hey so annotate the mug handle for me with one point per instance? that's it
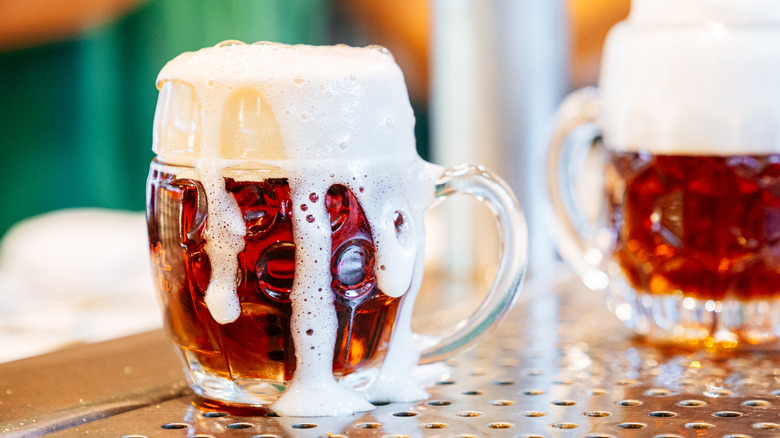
(570, 231)
(513, 235)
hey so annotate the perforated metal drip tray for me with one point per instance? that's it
(559, 366)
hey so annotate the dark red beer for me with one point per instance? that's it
(704, 226)
(258, 345)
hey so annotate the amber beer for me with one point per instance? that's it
(259, 344)
(706, 227)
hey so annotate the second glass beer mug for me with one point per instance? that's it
(285, 210)
(688, 112)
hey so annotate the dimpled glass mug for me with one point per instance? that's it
(285, 210)
(688, 110)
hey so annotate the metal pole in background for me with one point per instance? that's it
(499, 69)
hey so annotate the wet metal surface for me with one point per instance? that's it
(560, 365)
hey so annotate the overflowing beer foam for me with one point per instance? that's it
(694, 77)
(323, 116)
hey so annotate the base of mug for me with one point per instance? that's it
(689, 322)
(239, 392)
(250, 393)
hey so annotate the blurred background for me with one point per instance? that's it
(77, 92)
(77, 100)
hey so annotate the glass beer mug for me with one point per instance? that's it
(688, 114)
(285, 210)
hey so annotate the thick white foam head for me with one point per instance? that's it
(694, 77)
(269, 101)
(321, 116)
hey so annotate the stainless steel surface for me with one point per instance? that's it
(87, 382)
(559, 366)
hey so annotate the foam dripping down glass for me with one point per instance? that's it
(285, 210)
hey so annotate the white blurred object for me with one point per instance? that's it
(499, 71)
(80, 275)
